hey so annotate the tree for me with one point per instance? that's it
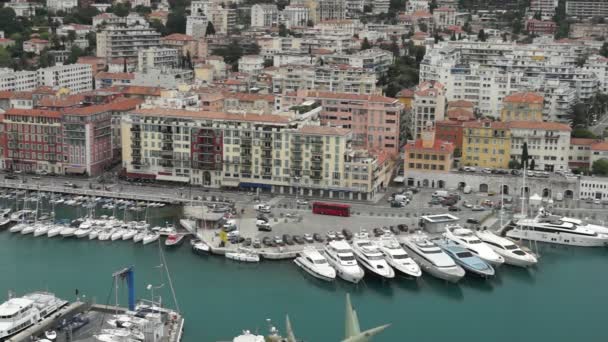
(514, 164)
(365, 45)
(604, 50)
(45, 60)
(5, 58)
(600, 167)
(210, 29)
(481, 35)
(537, 16)
(124, 65)
(120, 9)
(283, 31)
(176, 22)
(423, 27)
(231, 53)
(532, 164)
(583, 133)
(579, 113)
(9, 22)
(75, 53)
(467, 27)
(524, 155)
(71, 35)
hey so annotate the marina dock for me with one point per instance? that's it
(50, 322)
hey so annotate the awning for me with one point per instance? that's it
(140, 175)
(255, 185)
(173, 178)
(74, 169)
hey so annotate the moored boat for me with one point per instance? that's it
(315, 264)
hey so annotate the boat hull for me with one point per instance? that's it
(242, 257)
(451, 274)
(562, 239)
(403, 271)
(312, 272)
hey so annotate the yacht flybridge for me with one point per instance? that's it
(340, 256)
(465, 238)
(370, 257)
(506, 248)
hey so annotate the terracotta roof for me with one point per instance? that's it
(422, 14)
(136, 90)
(116, 75)
(212, 115)
(448, 123)
(461, 103)
(525, 97)
(37, 41)
(6, 40)
(480, 124)
(600, 146)
(438, 146)
(554, 126)
(324, 130)
(405, 93)
(62, 101)
(44, 90)
(249, 97)
(34, 112)
(321, 52)
(121, 105)
(454, 28)
(420, 35)
(347, 96)
(178, 36)
(23, 95)
(582, 141)
(460, 114)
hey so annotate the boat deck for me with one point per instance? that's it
(49, 322)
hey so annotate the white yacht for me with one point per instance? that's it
(55, 230)
(118, 233)
(18, 227)
(467, 239)
(17, 314)
(370, 257)
(30, 228)
(432, 259)
(82, 232)
(315, 264)
(511, 252)
(398, 258)
(546, 216)
(129, 234)
(42, 229)
(150, 237)
(340, 256)
(106, 234)
(546, 229)
(67, 231)
(139, 236)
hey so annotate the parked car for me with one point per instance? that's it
(262, 217)
(263, 208)
(395, 230)
(302, 202)
(317, 237)
(263, 226)
(331, 235)
(267, 241)
(288, 239)
(309, 238)
(473, 221)
(403, 227)
(397, 204)
(486, 170)
(467, 205)
(278, 241)
(478, 208)
(10, 176)
(256, 243)
(597, 201)
(378, 232)
(298, 239)
(247, 242)
(453, 208)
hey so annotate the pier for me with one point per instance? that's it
(50, 322)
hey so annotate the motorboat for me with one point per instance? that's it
(548, 217)
(506, 248)
(467, 259)
(106, 234)
(22, 215)
(68, 231)
(174, 240)
(398, 258)
(370, 257)
(5, 219)
(29, 229)
(467, 239)
(55, 230)
(543, 229)
(19, 313)
(139, 236)
(432, 259)
(94, 234)
(340, 256)
(42, 229)
(118, 233)
(151, 237)
(243, 256)
(129, 234)
(82, 232)
(315, 264)
(200, 247)
(18, 227)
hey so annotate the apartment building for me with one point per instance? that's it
(486, 144)
(546, 8)
(444, 17)
(548, 144)
(61, 5)
(588, 30)
(77, 78)
(125, 42)
(450, 131)
(375, 59)
(579, 156)
(23, 8)
(586, 9)
(223, 19)
(244, 103)
(157, 58)
(428, 106)
(295, 15)
(374, 120)
(251, 64)
(264, 15)
(541, 27)
(329, 10)
(18, 80)
(599, 150)
(199, 7)
(111, 19)
(526, 106)
(268, 152)
(184, 43)
(380, 6)
(424, 156)
(196, 26)
(334, 78)
(412, 6)
(598, 65)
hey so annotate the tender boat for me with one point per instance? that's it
(315, 264)
(340, 256)
(55, 230)
(243, 256)
(466, 259)
(20, 313)
(398, 258)
(432, 259)
(511, 252)
(174, 240)
(42, 230)
(546, 229)
(370, 257)
(68, 231)
(151, 237)
(467, 239)
(200, 247)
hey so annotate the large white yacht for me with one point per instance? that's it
(398, 258)
(370, 257)
(467, 239)
(548, 229)
(18, 314)
(511, 252)
(432, 259)
(315, 264)
(340, 256)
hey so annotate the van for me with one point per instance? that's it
(440, 193)
(467, 189)
(401, 198)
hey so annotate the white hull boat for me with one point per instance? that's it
(243, 257)
(150, 237)
(511, 252)
(106, 235)
(129, 234)
(315, 264)
(371, 258)
(432, 259)
(68, 231)
(54, 231)
(17, 228)
(139, 237)
(42, 230)
(94, 234)
(82, 232)
(118, 234)
(466, 239)
(340, 256)
(398, 258)
(29, 229)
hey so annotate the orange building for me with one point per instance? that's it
(526, 106)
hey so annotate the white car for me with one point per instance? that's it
(597, 201)
(302, 202)
(263, 208)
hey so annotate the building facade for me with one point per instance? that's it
(486, 144)
(75, 77)
(428, 106)
(157, 58)
(125, 42)
(548, 144)
(264, 15)
(522, 107)
(196, 26)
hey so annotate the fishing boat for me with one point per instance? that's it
(243, 256)
(174, 240)
(315, 264)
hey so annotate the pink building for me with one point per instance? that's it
(373, 119)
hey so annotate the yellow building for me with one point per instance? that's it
(406, 96)
(486, 144)
(525, 106)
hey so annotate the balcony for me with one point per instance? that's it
(317, 142)
(316, 151)
(266, 164)
(296, 157)
(316, 167)
(266, 147)
(135, 128)
(136, 146)
(316, 175)
(167, 138)
(136, 137)
(166, 163)
(167, 147)
(166, 154)
(246, 161)
(297, 147)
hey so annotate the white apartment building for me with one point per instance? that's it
(11, 80)
(196, 26)
(61, 5)
(295, 15)
(375, 59)
(251, 64)
(329, 10)
(546, 8)
(548, 143)
(337, 41)
(354, 7)
(264, 15)
(428, 106)
(111, 19)
(157, 58)
(559, 98)
(593, 187)
(23, 8)
(281, 59)
(380, 6)
(125, 42)
(199, 7)
(598, 65)
(223, 19)
(586, 9)
(444, 17)
(341, 79)
(77, 78)
(412, 6)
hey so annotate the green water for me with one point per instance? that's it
(563, 299)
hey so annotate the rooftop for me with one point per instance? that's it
(582, 141)
(555, 126)
(33, 112)
(324, 130)
(525, 97)
(267, 118)
(438, 146)
(600, 146)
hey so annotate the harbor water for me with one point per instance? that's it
(563, 299)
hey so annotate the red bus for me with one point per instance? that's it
(335, 209)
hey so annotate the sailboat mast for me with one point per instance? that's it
(523, 192)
